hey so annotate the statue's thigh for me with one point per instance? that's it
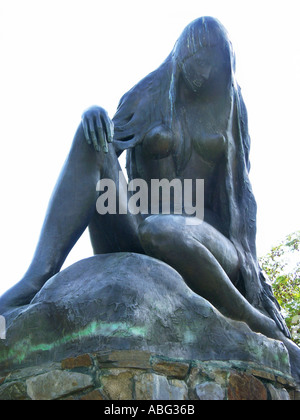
(175, 231)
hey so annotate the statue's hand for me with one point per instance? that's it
(98, 128)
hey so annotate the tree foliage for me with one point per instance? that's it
(282, 266)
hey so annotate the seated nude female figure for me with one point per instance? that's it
(186, 120)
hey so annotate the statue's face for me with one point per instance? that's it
(200, 67)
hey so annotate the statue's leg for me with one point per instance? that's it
(207, 261)
(70, 210)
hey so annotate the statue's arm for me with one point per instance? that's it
(98, 128)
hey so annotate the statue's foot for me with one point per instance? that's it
(293, 350)
(22, 293)
(19, 295)
(294, 353)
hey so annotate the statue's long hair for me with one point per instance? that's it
(153, 102)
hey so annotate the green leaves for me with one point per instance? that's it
(282, 266)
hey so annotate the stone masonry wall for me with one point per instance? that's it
(138, 375)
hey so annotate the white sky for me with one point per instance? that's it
(58, 57)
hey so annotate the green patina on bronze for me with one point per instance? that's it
(22, 349)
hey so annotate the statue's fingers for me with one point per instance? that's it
(109, 127)
(93, 135)
(86, 130)
(101, 134)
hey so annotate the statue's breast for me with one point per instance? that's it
(211, 147)
(158, 143)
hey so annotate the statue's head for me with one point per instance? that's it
(202, 51)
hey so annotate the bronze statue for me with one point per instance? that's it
(187, 119)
